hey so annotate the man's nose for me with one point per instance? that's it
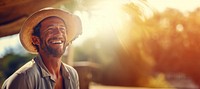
(57, 30)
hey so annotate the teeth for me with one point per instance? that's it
(56, 42)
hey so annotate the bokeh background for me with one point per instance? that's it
(129, 43)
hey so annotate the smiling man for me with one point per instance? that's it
(47, 33)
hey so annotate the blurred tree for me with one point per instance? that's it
(121, 49)
(141, 48)
(174, 43)
(11, 62)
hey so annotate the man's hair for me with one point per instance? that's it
(36, 32)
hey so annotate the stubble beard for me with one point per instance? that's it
(55, 52)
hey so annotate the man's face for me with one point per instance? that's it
(53, 36)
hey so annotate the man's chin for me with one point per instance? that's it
(56, 52)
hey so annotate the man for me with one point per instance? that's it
(47, 33)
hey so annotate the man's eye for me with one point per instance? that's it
(62, 28)
(50, 28)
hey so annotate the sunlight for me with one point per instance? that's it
(182, 5)
(179, 27)
(87, 30)
(150, 45)
(106, 16)
(111, 13)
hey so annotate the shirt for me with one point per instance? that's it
(34, 75)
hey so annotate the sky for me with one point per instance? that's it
(8, 42)
(159, 5)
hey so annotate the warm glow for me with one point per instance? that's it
(182, 5)
(147, 43)
(106, 16)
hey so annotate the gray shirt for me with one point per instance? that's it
(34, 75)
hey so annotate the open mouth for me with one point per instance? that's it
(56, 42)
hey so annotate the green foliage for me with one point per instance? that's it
(10, 63)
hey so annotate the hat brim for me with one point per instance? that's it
(74, 27)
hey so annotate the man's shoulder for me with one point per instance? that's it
(22, 76)
(29, 67)
(27, 70)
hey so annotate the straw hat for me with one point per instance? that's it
(73, 24)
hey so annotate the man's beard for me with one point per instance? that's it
(53, 51)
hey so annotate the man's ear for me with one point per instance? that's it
(36, 40)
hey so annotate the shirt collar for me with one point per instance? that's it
(44, 70)
(64, 71)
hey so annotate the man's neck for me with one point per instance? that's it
(53, 64)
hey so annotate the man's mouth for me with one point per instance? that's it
(56, 41)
